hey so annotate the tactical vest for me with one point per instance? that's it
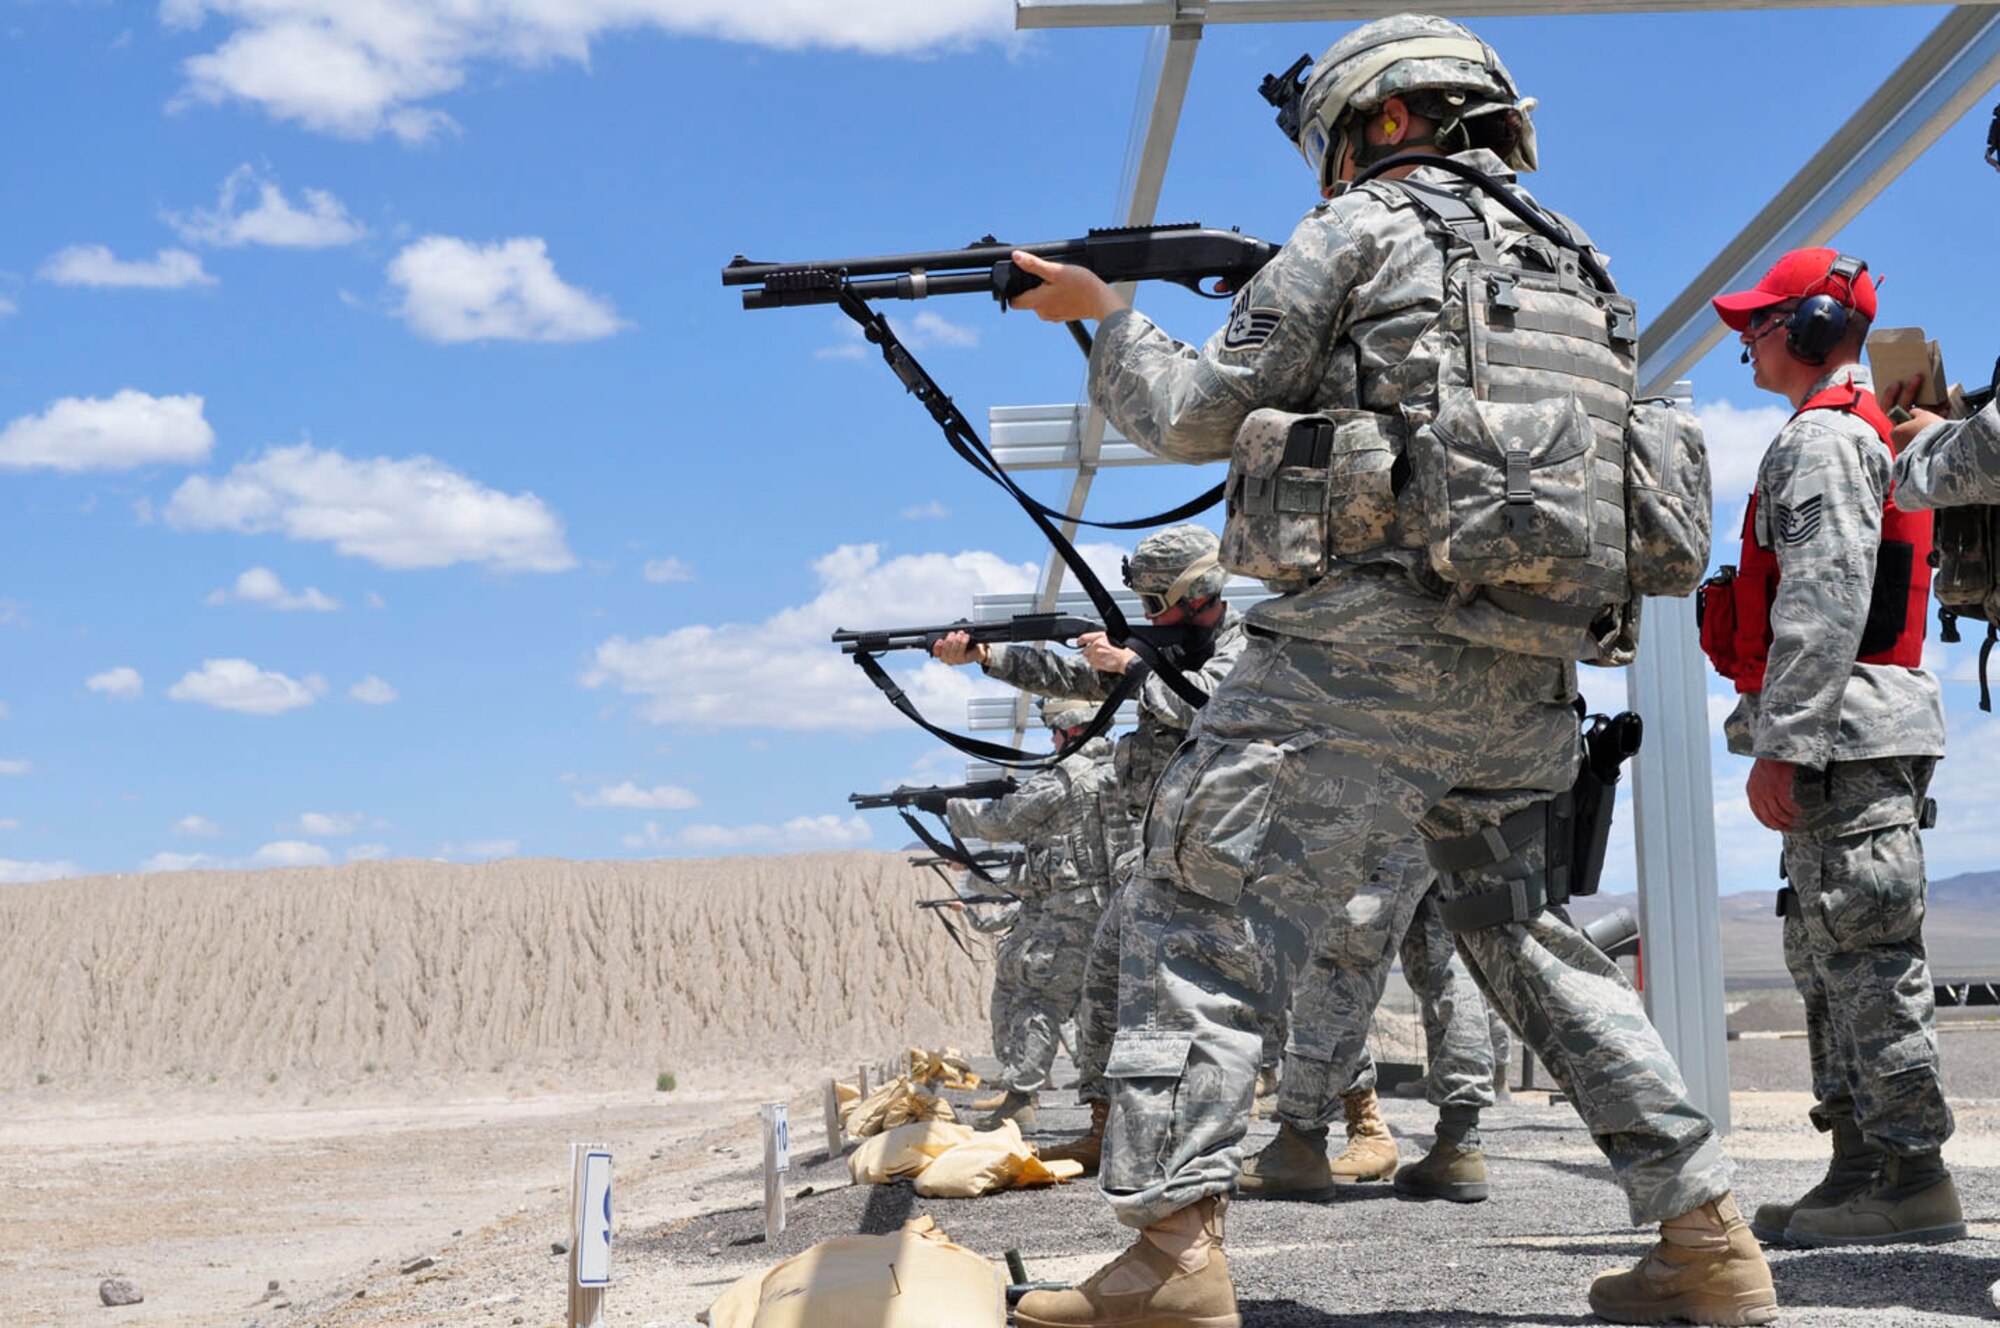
(1518, 486)
(1092, 831)
(1733, 607)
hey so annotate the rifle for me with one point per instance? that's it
(1186, 254)
(1022, 627)
(909, 795)
(968, 899)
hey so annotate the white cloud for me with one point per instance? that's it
(239, 685)
(375, 601)
(26, 873)
(361, 70)
(373, 691)
(662, 570)
(120, 684)
(417, 512)
(4, 711)
(119, 432)
(927, 330)
(930, 511)
(8, 307)
(659, 798)
(272, 220)
(1737, 437)
(96, 265)
(802, 832)
(291, 853)
(781, 673)
(173, 862)
(260, 585)
(327, 825)
(366, 852)
(930, 328)
(193, 826)
(15, 766)
(454, 291)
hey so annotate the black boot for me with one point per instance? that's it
(1855, 1165)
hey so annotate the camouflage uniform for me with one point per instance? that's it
(1865, 738)
(1327, 1057)
(1003, 921)
(1367, 705)
(1955, 464)
(1140, 756)
(1073, 823)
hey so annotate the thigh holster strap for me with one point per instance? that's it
(1523, 895)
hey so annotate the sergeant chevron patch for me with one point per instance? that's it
(1250, 328)
(1798, 524)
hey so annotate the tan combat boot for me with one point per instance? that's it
(1856, 1163)
(991, 1102)
(1455, 1168)
(1292, 1166)
(1706, 1268)
(1371, 1150)
(1016, 1107)
(1912, 1200)
(1174, 1276)
(1088, 1150)
(1265, 1100)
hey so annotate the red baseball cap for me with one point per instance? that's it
(1801, 273)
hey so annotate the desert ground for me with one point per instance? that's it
(210, 1084)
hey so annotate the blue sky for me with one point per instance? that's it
(384, 472)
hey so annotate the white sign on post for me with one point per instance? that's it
(593, 1222)
(781, 1129)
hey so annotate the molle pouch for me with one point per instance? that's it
(1962, 549)
(1715, 620)
(1303, 487)
(1669, 507)
(1509, 489)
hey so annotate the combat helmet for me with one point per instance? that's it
(1176, 564)
(1064, 712)
(1438, 67)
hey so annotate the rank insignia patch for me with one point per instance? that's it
(1798, 524)
(1250, 327)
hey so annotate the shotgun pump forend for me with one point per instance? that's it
(1188, 254)
(1021, 628)
(910, 795)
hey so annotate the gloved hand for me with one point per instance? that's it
(931, 802)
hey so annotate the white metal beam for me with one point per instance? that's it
(1148, 13)
(1948, 75)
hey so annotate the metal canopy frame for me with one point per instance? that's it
(1954, 67)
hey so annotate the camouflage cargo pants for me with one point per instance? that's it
(1305, 769)
(1855, 947)
(1097, 1012)
(1007, 983)
(1051, 983)
(1394, 912)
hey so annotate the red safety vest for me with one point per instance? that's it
(1734, 606)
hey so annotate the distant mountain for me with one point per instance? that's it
(1962, 928)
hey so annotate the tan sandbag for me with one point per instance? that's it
(949, 1068)
(845, 1096)
(913, 1278)
(904, 1151)
(895, 1103)
(987, 1161)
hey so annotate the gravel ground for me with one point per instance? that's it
(1525, 1257)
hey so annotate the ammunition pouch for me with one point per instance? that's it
(1304, 489)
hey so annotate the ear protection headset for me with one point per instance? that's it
(1820, 321)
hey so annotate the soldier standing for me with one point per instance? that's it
(1328, 1072)
(1178, 576)
(1372, 700)
(1071, 821)
(1845, 727)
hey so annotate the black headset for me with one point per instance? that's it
(1820, 321)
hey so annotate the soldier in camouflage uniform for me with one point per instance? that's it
(1843, 753)
(1945, 463)
(1003, 922)
(1368, 703)
(1329, 1073)
(1072, 822)
(1180, 579)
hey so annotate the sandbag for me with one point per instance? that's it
(912, 1278)
(897, 1102)
(904, 1151)
(987, 1161)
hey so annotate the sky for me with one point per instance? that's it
(384, 471)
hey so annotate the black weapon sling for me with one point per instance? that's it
(967, 443)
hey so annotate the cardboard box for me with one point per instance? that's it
(1896, 353)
